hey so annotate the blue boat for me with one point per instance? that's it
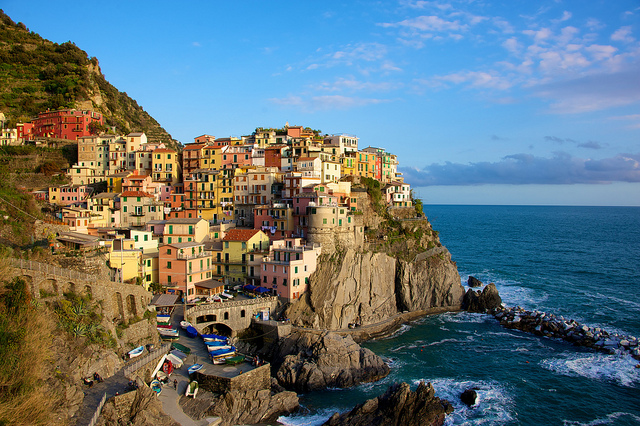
(194, 368)
(213, 337)
(223, 352)
(210, 344)
(191, 331)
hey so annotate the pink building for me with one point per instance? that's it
(288, 267)
(275, 220)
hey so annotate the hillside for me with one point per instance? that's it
(36, 74)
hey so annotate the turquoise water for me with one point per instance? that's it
(580, 262)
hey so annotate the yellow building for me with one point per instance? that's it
(125, 259)
(348, 164)
(238, 246)
(165, 165)
(224, 196)
(366, 164)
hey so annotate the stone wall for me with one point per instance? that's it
(141, 333)
(350, 235)
(255, 379)
(402, 212)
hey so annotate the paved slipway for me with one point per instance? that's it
(118, 384)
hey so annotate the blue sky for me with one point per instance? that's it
(484, 102)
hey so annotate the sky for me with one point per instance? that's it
(483, 102)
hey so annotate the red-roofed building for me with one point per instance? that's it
(240, 248)
(65, 124)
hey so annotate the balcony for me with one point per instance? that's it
(193, 255)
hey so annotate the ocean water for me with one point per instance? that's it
(579, 262)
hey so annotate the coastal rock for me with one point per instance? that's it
(367, 288)
(309, 361)
(398, 406)
(469, 397)
(240, 407)
(137, 408)
(488, 299)
(431, 280)
(474, 282)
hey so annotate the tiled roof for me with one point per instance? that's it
(240, 234)
(161, 150)
(190, 146)
(135, 194)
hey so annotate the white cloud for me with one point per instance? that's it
(353, 84)
(326, 102)
(623, 34)
(477, 79)
(428, 24)
(566, 15)
(512, 45)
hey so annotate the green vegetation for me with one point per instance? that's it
(78, 316)
(24, 331)
(36, 74)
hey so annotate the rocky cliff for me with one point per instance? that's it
(398, 406)
(366, 288)
(307, 361)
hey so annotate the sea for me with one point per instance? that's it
(579, 262)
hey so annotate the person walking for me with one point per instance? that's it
(175, 384)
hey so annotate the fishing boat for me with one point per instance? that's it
(181, 348)
(233, 360)
(227, 295)
(169, 338)
(191, 331)
(162, 377)
(159, 366)
(167, 366)
(213, 337)
(164, 325)
(177, 362)
(220, 359)
(194, 368)
(163, 317)
(192, 389)
(179, 354)
(223, 352)
(168, 332)
(156, 386)
(184, 324)
(218, 348)
(135, 352)
(215, 343)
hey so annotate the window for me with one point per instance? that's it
(226, 244)
(168, 265)
(295, 271)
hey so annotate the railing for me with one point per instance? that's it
(53, 270)
(226, 304)
(193, 255)
(96, 415)
(146, 359)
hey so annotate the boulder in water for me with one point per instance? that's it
(474, 282)
(476, 301)
(469, 397)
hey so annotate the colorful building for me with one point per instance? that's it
(65, 124)
(238, 246)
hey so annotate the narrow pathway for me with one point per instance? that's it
(92, 396)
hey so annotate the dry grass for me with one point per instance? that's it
(24, 330)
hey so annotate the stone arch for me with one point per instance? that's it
(118, 310)
(49, 286)
(206, 318)
(218, 328)
(131, 305)
(68, 287)
(33, 288)
(88, 291)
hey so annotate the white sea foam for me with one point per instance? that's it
(399, 332)
(609, 419)
(512, 292)
(466, 318)
(306, 419)
(494, 405)
(617, 368)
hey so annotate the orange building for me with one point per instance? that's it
(65, 124)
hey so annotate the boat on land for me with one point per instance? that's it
(136, 352)
(220, 359)
(168, 332)
(192, 389)
(167, 366)
(185, 324)
(213, 337)
(179, 354)
(233, 360)
(169, 338)
(164, 326)
(177, 362)
(218, 348)
(156, 386)
(194, 368)
(181, 348)
(191, 331)
(223, 352)
(215, 343)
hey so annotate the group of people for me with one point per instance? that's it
(96, 378)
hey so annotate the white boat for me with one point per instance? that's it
(221, 359)
(168, 332)
(177, 362)
(184, 324)
(227, 295)
(217, 348)
(156, 386)
(194, 368)
(192, 389)
(136, 352)
(179, 354)
(158, 366)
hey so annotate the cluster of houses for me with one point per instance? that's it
(220, 211)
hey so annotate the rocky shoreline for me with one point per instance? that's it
(550, 325)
